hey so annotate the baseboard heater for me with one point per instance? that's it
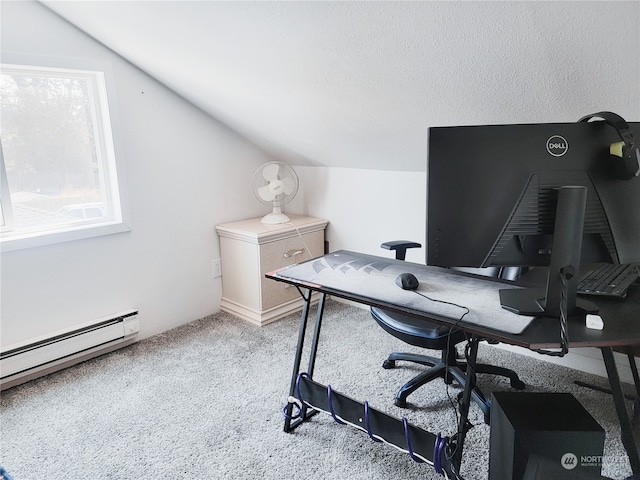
(24, 362)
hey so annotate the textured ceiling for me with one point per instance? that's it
(357, 84)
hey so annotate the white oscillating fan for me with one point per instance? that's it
(275, 184)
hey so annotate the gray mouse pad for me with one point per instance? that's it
(374, 278)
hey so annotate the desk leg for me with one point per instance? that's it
(634, 370)
(623, 417)
(290, 423)
(316, 335)
(636, 382)
(470, 383)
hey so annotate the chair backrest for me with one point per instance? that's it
(507, 273)
(400, 248)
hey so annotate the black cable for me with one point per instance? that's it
(451, 329)
(566, 274)
(445, 302)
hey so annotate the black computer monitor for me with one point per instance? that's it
(493, 193)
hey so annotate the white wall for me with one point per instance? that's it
(185, 174)
(366, 207)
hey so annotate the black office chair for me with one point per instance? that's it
(432, 336)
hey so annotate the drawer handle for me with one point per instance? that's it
(293, 253)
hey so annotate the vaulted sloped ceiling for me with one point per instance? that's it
(357, 84)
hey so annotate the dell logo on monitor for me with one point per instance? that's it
(557, 146)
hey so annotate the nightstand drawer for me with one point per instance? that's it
(283, 253)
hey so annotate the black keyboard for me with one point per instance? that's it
(608, 279)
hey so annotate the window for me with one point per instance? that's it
(57, 159)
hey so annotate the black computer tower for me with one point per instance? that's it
(536, 432)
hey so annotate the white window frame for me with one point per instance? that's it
(110, 158)
(6, 212)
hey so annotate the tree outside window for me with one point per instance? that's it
(57, 151)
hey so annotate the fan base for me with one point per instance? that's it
(275, 218)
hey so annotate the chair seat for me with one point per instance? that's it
(416, 331)
(430, 335)
(425, 334)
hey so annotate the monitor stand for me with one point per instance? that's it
(565, 264)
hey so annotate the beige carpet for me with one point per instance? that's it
(204, 401)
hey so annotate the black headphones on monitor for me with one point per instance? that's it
(624, 154)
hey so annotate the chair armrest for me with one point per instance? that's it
(400, 247)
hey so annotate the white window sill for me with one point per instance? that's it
(11, 242)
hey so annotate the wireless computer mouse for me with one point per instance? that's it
(407, 281)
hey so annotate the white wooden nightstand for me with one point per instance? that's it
(250, 249)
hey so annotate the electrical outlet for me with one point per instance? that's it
(217, 268)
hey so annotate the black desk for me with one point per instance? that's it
(364, 279)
